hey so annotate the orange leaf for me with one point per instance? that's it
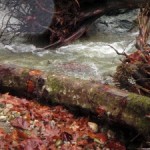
(35, 73)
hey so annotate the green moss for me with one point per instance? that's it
(144, 125)
(25, 73)
(54, 85)
(138, 104)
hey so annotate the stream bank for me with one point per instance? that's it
(86, 59)
(107, 104)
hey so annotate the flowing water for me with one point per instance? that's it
(88, 58)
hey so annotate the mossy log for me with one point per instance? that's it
(107, 101)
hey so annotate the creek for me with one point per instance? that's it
(91, 57)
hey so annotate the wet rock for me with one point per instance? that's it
(125, 24)
(118, 22)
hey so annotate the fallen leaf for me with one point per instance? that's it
(32, 144)
(20, 123)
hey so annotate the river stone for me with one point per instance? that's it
(115, 23)
(3, 118)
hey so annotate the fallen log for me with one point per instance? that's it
(109, 102)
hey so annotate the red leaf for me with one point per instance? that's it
(101, 110)
(35, 73)
(2, 133)
(100, 136)
(115, 145)
(32, 144)
(20, 123)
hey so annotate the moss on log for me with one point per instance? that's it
(107, 101)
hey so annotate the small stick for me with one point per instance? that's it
(124, 54)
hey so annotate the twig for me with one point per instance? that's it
(123, 54)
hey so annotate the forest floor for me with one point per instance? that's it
(27, 125)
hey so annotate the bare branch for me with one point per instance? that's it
(123, 53)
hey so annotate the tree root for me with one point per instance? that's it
(69, 17)
(134, 73)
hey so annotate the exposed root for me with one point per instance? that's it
(134, 72)
(61, 24)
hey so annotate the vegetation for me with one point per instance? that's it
(49, 127)
(134, 72)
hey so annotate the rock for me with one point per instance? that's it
(31, 127)
(14, 112)
(119, 22)
(52, 124)
(5, 111)
(17, 114)
(110, 134)
(3, 118)
(93, 126)
(9, 106)
(2, 105)
(58, 143)
(126, 24)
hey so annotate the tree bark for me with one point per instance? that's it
(109, 102)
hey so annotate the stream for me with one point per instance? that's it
(90, 57)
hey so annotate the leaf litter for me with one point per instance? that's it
(27, 125)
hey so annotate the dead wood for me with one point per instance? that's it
(70, 19)
(109, 102)
(134, 72)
